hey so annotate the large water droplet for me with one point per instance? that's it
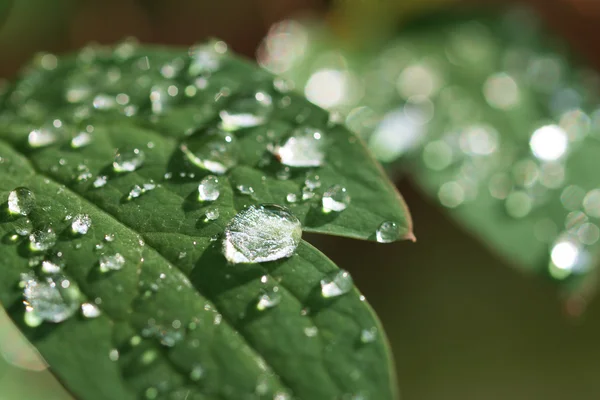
(261, 233)
(387, 232)
(305, 148)
(81, 224)
(21, 201)
(247, 112)
(208, 189)
(269, 299)
(111, 262)
(41, 137)
(52, 299)
(42, 240)
(128, 160)
(215, 151)
(336, 284)
(336, 198)
(211, 214)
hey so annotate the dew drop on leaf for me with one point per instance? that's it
(197, 373)
(268, 299)
(305, 148)
(336, 284)
(111, 262)
(52, 299)
(21, 201)
(245, 190)
(90, 310)
(50, 268)
(81, 224)
(211, 214)
(387, 232)
(41, 137)
(335, 198)
(81, 140)
(100, 181)
(23, 227)
(247, 112)
(260, 234)
(368, 335)
(215, 151)
(128, 160)
(42, 240)
(208, 189)
(206, 58)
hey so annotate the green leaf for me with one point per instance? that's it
(177, 321)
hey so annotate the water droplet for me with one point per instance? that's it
(21, 201)
(205, 58)
(518, 204)
(215, 151)
(268, 299)
(303, 149)
(261, 233)
(368, 335)
(42, 240)
(52, 299)
(197, 373)
(100, 181)
(23, 227)
(113, 355)
(387, 232)
(245, 190)
(50, 268)
(81, 224)
(451, 194)
(81, 140)
(112, 262)
(591, 203)
(311, 331)
(336, 284)
(336, 198)
(208, 189)
(128, 160)
(247, 112)
(109, 237)
(291, 198)
(41, 137)
(211, 214)
(90, 310)
(549, 142)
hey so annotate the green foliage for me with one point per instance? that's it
(486, 113)
(118, 136)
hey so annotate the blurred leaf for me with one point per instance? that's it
(175, 319)
(488, 113)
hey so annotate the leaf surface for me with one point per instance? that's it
(177, 321)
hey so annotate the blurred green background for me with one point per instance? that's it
(462, 323)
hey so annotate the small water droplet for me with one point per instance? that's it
(90, 310)
(211, 214)
(387, 232)
(311, 331)
(23, 227)
(268, 299)
(50, 268)
(81, 224)
(113, 355)
(41, 137)
(128, 160)
(42, 240)
(336, 198)
(368, 335)
(336, 284)
(261, 233)
(81, 140)
(100, 181)
(291, 198)
(205, 58)
(109, 237)
(197, 373)
(215, 151)
(304, 148)
(21, 201)
(53, 299)
(245, 190)
(111, 262)
(247, 112)
(208, 189)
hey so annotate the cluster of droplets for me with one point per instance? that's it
(517, 150)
